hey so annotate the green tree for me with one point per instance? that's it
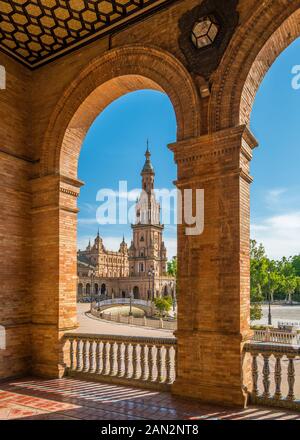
(172, 267)
(258, 278)
(163, 305)
(274, 279)
(296, 264)
(290, 285)
(256, 309)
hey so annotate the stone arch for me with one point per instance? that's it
(136, 292)
(105, 79)
(270, 30)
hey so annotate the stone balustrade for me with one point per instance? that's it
(275, 374)
(131, 320)
(277, 336)
(145, 362)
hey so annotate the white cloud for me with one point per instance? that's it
(171, 245)
(280, 234)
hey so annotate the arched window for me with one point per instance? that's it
(136, 292)
(88, 289)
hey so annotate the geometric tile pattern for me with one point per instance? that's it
(69, 399)
(34, 31)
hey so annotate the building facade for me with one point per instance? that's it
(141, 269)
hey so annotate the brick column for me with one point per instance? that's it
(54, 270)
(214, 268)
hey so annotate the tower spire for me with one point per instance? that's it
(148, 167)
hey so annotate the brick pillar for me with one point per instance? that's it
(54, 270)
(214, 268)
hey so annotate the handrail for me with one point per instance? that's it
(118, 338)
(145, 361)
(270, 364)
(125, 301)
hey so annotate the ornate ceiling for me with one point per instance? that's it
(36, 31)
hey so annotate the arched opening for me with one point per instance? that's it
(103, 289)
(136, 292)
(88, 289)
(275, 219)
(80, 290)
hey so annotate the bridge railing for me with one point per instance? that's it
(277, 336)
(125, 301)
(275, 374)
(131, 320)
(146, 362)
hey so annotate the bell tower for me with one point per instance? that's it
(147, 251)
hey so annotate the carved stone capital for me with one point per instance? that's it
(215, 155)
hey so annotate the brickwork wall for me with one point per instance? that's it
(15, 300)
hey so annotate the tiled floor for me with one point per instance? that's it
(69, 399)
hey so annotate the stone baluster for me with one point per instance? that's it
(278, 377)
(266, 375)
(110, 357)
(143, 362)
(135, 361)
(119, 359)
(91, 356)
(254, 375)
(150, 363)
(78, 355)
(105, 357)
(168, 365)
(71, 354)
(99, 349)
(126, 360)
(159, 365)
(85, 357)
(291, 378)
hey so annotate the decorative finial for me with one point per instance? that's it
(147, 154)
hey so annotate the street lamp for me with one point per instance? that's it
(269, 298)
(91, 292)
(130, 303)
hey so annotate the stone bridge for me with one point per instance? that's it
(147, 306)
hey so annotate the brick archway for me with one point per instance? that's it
(56, 188)
(254, 48)
(105, 79)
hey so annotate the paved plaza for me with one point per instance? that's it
(90, 324)
(280, 313)
(69, 399)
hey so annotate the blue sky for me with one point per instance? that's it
(275, 193)
(115, 144)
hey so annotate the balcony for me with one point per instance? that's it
(138, 361)
(150, 363)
